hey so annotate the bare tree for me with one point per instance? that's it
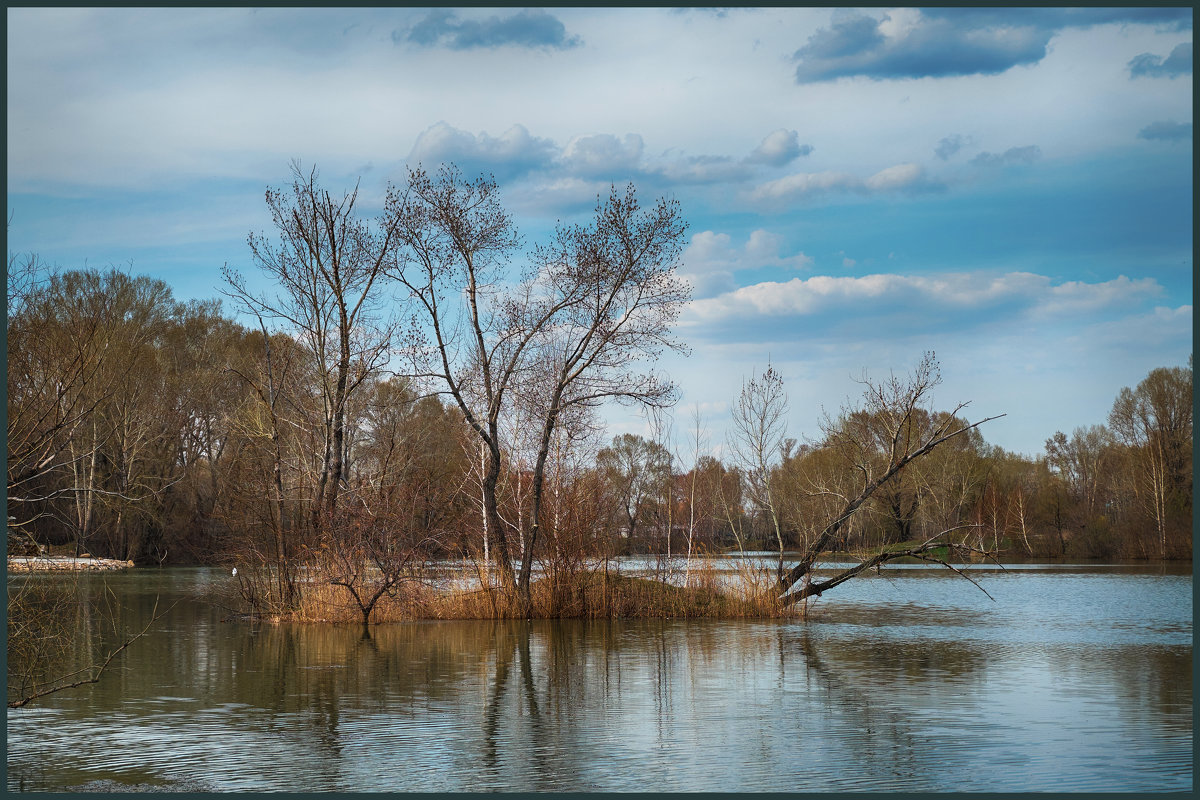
(604, 298)
(455, 242)
(595, 301)
(1155, 422)
(374, 554)
(756, 439)
(328, 264)
(267, 388)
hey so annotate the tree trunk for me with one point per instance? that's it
(539, 478)
(492, 511)
(487, 579)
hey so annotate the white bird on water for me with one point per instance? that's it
(235, 572)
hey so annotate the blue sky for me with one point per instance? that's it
(1011, 188)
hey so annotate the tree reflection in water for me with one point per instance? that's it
(869, 696)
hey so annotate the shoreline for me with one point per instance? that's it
(64, 564)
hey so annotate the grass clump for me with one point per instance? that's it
(597, 595)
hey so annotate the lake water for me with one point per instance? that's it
(1071, 679)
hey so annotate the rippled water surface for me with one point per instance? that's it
(1072, 678)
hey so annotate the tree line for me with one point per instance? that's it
(402, 391)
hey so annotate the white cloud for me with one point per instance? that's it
(701, 169)
(778, 148)
(711, 258)
(1075, 297)
(901, 176)
(603, 153)
(869, 295)
(791, 187)
(517, 152)
(709, 251)
(511, 153)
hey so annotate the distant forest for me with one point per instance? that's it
(144, 428)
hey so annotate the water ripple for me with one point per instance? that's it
(1066, 682)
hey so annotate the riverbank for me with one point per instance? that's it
(64, 564)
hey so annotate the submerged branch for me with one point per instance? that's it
(922, 552)
(51, 688)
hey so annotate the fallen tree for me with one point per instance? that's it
(895, 427)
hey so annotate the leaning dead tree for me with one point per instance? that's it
(895, 427)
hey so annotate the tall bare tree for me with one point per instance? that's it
(756, 439)
(455, 242)
(328, 263)
(594, 301)
(604, 298)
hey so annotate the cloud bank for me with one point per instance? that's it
(949, 42)
(598, 157)
(799, 186)
(515, 152)
(928, 47)
(954, 300)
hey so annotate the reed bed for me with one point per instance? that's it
(591, 592)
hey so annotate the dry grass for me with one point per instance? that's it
(593, 593)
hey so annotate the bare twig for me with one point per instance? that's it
(95, 678)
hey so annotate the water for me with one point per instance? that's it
(1071, 679)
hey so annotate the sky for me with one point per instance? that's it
(1009, 188)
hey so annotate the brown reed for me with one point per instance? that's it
(593, 592)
